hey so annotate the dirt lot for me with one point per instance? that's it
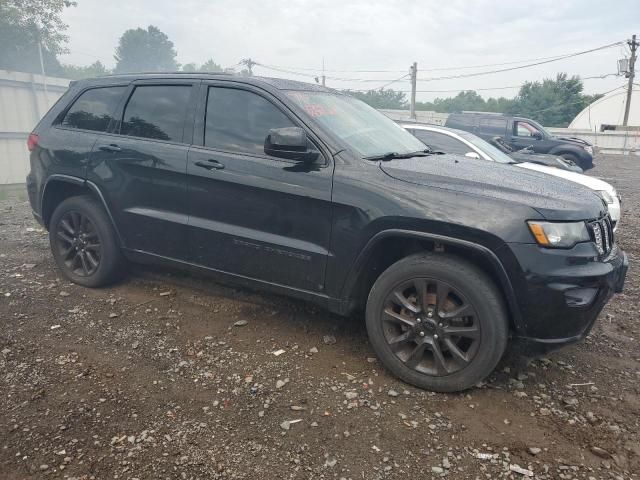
(170, 376)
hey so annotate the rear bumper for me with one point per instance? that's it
(562, 292)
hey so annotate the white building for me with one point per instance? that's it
(607, 113)
(23, 102)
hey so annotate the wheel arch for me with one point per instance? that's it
(60, 187)
(375, 258)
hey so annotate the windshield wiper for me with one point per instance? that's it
(396, 155)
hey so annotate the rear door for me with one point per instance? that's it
(141, 166)
(252, 214)
(490, 127)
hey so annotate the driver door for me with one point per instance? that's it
(524, 135)
(252, 214)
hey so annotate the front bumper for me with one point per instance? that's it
(560, 293)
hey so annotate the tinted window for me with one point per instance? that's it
(441, 142)
(93, 110)
(239, 121)
(156, 111)
(493, 126)
(461, 121)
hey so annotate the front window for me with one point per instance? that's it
(487, 148)
(365, 130)
(529, 129)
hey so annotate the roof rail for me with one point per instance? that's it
(483, 113)
(165, 73)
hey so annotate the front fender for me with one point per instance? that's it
(490, 259)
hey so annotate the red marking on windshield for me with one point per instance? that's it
(318, 110)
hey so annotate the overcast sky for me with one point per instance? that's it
(373, 35)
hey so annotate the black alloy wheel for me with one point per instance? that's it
(84, 243)
(437, 321)
(430, 326)
(79, 243)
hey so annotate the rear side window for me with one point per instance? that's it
(156, 111)
(94, 109)
(461, 121)
(493, 126)
(441, 143)
(239, 120)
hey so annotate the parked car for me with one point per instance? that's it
(522, 133)
(301, 190)
(528, 155)
(453, 141)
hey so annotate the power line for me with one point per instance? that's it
(477, 74)
(436, 69)
(508, 87)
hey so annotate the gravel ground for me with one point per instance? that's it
(170, 376)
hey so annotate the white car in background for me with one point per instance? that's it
(459, 142)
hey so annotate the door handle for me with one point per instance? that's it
(210, 164)
(110, 148)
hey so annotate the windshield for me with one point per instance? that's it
(486, 147)
(365, 130)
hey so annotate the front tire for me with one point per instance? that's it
(84, 243)
(570, 157)
(437, 322)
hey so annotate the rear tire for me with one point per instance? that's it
(84, 243)
(437, 322)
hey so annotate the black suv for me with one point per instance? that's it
(522, 133)
(301, 190)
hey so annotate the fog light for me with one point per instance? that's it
(580, 297)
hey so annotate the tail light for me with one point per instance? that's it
(32, 141)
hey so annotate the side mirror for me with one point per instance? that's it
(290, 143)
(472, 155)
(536, 135)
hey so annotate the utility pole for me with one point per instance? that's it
(414, 77)
(634, 45)
(323, 77)
(249, 64)
(44, 75)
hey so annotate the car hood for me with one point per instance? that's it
(542, 159)
(590, 182)
(551, 196)
(577, 141)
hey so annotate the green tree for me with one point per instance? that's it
(381, 98)
(553, 103)
(210, 66)
(26, 23)
(143, 50)
(465, 100)
(75, 72)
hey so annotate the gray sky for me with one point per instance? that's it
(375, 35)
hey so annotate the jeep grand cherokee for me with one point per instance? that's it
(301, 190)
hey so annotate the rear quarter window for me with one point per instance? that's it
(461, 122)
(493, 126)
(93, 109)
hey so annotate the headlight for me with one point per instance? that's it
(588, 149)
(603, 194)
(559, 235)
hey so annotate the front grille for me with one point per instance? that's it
(602, 235)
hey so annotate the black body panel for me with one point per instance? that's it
(310, 229)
